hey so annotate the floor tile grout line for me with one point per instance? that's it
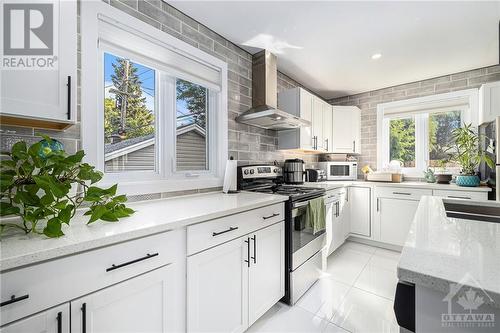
(372, 293)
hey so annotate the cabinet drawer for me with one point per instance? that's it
(468, 195)
(208, 234)
(44, 285)
(401, 192)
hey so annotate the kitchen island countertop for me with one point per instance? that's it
(440, 250)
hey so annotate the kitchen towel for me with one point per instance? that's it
(316, 215)
(230, 177)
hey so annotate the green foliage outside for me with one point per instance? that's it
(195, 99)
(139, 121)
(36, 185)
(402, 141)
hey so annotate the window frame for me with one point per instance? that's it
(164, 178)
(433, 103)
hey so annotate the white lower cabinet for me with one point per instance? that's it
(394, 216)
(145, 303)
(266, 283)
(337, 219)
(360, 211)
(55, 320)
(231, 285)
(217, 288)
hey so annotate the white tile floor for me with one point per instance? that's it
(355, 294)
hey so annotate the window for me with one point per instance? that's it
(418, 132)
(154, 109)
(129, 115)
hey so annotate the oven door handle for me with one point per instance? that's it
(300, 204)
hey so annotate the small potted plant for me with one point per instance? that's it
(467, 154)
(443, 176)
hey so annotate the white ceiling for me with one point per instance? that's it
(328, 45)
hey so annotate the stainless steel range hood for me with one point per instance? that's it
(264, 112)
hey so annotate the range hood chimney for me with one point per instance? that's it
(264, 112)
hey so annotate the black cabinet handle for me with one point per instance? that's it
(59, 322)
(14, 299)
(84, 317)
(68, 84)
(223, 232)
(354, 146)
(378, 207)
(326, 140)
(254, 238)
(401, 193)
(147, 256)
(248, 251)
(270, 216)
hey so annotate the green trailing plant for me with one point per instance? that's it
(36, 185)
(465, 150)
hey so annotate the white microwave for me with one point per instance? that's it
(340, 170)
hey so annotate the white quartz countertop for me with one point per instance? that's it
(441, 250)
(151, 217)
(333, 184)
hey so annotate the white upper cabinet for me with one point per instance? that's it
(327, 127)
(44, 96)
(301, 103)
(346, 130)
(489, 102)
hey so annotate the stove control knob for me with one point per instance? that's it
(275, 170)
(251, 171)
(245, 172)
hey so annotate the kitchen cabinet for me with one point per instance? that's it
(489, 102)
(45, 98)
(327, 127)
(337, 216)
(145, 303)
(346, 130)
(231, 285)
(317, 124)
(394, 218)
(55, 320)
(394, 212)
(217, 285)
(301, 103)
(360, 211)
(465, 195)
(266, 282)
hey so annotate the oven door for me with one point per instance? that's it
(305, 243)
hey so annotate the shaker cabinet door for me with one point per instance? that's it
(217, 288)
(266, 284)
(48, 93)
(145, 303)
(55, 320)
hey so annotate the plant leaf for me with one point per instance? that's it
(53, 228)
(97, 212)
(65, 214)
(7, 209)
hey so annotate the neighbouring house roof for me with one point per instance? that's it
(128, 146)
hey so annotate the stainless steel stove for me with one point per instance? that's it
(303, 248)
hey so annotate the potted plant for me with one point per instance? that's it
(36, 186)
(467, 154)
(443, 176)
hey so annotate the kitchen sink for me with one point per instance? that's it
(478, 211)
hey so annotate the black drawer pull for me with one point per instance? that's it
(14, 299)
(223, 232)
(84, 317)
(59, 322)
(401, 193)
(270, 216)
(68, 84)
(147, 256)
